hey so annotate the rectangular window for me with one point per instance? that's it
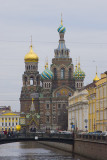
(9, 118)
(12, 118)
(12, 129)
(16, 118)
(2, 119)
(59, 106)
(47, 106)
(6, 119)
(5, 124)
(12, 124)
(9, 124)
(2, 124)
(16, 123)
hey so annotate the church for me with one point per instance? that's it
(44, 97)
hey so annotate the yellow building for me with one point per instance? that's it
(9, 120)
(97, 110)
(91, 107)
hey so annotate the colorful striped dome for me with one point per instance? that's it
(46, 74)
(61, 29)
(79, 74)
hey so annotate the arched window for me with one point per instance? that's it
(31, 81)
(55, 73)
(69, 73)
(81, 84)
(62, 73)
(25, 80)
(37, 79)
(45, 85)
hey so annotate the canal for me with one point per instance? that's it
(31, 150)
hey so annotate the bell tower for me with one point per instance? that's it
(31, 82)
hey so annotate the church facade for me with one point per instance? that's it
(51, 98)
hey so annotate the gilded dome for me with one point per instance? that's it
(31, 56)
(96, 78)
(46, 74)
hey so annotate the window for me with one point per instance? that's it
(37, 79)
(12, 118)
(9, 123)
(31, 80)
(5, 124)
(25, 80)
(62, 73)
(12, 129)
(47, 106)
(2, 119)
(16, 123)
(45, 85)
(16, 118)
(69, 73)
(59, 106)
(2, 124)
(6, 119)
(12, 124)
(55, 73)
(9, 118)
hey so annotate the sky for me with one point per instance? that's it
(86, 37)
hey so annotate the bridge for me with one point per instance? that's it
(91, 146)
(62, 138)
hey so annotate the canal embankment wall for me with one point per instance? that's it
(91, 149)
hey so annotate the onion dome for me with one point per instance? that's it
(46, 74)
(61, 28)
(79, 74)
(31, 56)
(96, 78)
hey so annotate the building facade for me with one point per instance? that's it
(9, 120)
(78, 111)
(50, 89)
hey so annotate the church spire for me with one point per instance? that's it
(96, 77)
(61, 20)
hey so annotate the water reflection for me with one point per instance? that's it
(32, 151)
